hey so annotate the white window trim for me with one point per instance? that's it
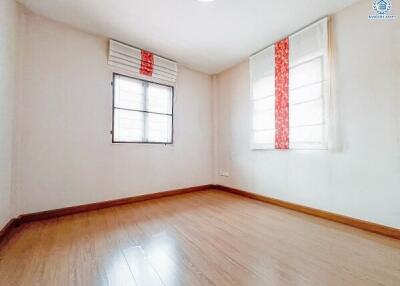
(144, 82)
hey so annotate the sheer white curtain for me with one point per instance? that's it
(309, 87)
(262, 75)
(311, 106)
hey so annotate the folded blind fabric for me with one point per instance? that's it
(141, 62)
(290, 87)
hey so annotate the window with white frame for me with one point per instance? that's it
(142, 111)
(308, 91)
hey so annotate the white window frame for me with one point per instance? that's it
(146, 84)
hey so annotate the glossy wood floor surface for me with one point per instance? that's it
(202, 238)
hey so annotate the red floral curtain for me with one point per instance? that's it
(282, 94)
(147, 63)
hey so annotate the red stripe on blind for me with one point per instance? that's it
(147, 63)
(282, 94)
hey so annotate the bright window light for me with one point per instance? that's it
(143, 111)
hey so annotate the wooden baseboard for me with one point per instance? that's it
(360, 224)
(50, 214)
(25, 218)
(7, 229)
(357, 223)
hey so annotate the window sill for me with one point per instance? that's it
(292, 148)
(140, 143)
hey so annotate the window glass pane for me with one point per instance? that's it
(159, 128)
(264, 120)
(136, 107)
(159, 99)
(306, 73)
(309, 113)
(307, 134)
(128, 125)
(307, 93)
(264, 137)
(129, 93)
(264, 87)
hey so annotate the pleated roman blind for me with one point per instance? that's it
(290, 91)
(141, 62)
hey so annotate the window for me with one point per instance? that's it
(142, 111)
(308, 91)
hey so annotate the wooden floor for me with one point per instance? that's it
(202, 238)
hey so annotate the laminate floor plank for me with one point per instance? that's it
(200, 238)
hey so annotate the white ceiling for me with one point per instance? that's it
(208, 37)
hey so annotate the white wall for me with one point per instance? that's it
(8, 40)
(65, 156)
(363, 179)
